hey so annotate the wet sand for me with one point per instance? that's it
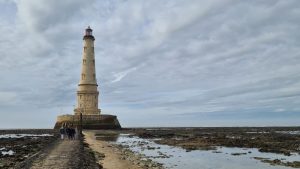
(109, 156)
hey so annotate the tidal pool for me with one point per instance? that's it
(222, 158)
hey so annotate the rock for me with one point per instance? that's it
(216, 151)
(277, 161)
(237, 154)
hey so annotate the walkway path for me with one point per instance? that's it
(113, 157)
(64, 155)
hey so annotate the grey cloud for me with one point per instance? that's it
(155, 59)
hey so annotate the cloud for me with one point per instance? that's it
(154, 59)
(43, 16)
(119, 76)
(7, 97)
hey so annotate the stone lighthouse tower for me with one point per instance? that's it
(87, 93)
(87, 112)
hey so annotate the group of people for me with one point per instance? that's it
(69, 132)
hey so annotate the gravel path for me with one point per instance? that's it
(65, 155)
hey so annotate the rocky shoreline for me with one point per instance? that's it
(23, 145)
(31, 146)
(138, 159)
(20, 147)
(280, 140)
(110, 155)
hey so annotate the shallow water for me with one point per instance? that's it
(289, 132)
(222, 158)
(10, 152)
(24, 135)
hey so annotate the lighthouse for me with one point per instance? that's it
(87, 111)
(87, 92)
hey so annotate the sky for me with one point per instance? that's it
(158, 63)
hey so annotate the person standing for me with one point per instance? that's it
(62, 132)
(73, 133)
(68, 131)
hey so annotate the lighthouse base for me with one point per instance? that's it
(93, 122)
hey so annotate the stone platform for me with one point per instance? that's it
(103, 121)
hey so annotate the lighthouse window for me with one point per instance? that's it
(84, 61)
(93, 61)
(82, 76)
(94, 76)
